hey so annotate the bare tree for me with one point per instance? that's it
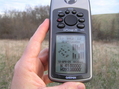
(22, 24)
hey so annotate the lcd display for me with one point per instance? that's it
(70, 54)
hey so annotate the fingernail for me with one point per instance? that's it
(45, 19)
(81, 86)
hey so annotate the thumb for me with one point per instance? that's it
(69, 85)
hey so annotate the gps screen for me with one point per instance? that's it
(70, 54)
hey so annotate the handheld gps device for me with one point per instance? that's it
(70, 49)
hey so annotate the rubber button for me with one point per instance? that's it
(59, 20)
(80, 14)
(61, 25)
(74, 12)
(81, 20)
(70, 20)
(81, 26)
(61, 14)
(67, 11)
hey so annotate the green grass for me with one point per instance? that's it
(105, 63)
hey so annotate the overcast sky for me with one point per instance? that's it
(97, 6)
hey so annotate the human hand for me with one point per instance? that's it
(29, 70)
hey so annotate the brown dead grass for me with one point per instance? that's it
(105, 63)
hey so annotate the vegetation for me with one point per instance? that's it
(105, 63)
(105, 66)
(105, 27)
(22, 24)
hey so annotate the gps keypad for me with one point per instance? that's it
(71, 18)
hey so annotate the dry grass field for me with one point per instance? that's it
(105, 63)
(10, 52)
(105, 66)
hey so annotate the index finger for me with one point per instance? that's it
(34, 45)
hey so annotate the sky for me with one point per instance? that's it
(97, 6)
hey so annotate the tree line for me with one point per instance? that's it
(106, 28)
(16, 24)
(22, 24)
